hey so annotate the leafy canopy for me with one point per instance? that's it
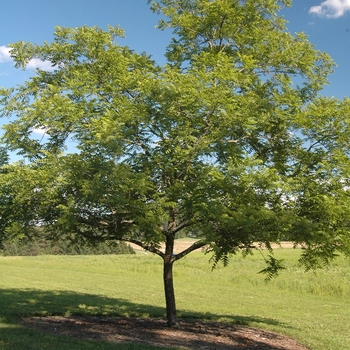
(229, 140)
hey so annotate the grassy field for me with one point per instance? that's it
(313, 308)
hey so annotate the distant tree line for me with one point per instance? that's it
(40, 245)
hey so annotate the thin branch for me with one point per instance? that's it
(148, 247)
(318, 141)
(194, 246)
(140, 144)
(185, 224)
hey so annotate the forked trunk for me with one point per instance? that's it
(168, 261)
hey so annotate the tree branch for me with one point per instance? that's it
(194, 246)
(150, 248)
(184, 225)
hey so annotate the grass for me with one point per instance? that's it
(313, 308)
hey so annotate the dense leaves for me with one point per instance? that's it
(229, 140)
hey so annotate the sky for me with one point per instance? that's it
(35, 21)
(327, 24)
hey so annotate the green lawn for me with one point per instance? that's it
(313, 308)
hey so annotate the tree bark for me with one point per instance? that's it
(169, 259)
(169, 294)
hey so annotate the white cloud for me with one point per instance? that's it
(5, 54)
(43, 65)
(41, 130)
(331, 8)
(32, 64)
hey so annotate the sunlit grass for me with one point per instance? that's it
(312, 307)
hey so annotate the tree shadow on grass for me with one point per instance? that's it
(24, 338)
(19, 303)
(97, 316)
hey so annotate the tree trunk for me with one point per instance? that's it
(168, 281)
(169, 293)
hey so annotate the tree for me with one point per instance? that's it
(229, 139)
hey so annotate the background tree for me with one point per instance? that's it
(228, 139)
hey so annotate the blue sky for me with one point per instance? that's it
(326, 22)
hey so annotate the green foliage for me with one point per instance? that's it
(230, 139)
(274, 266)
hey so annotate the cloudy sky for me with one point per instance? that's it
(326, 22)
(331, 8)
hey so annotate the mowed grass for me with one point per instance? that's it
(311, 307)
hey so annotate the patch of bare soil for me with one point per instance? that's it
(192, 334)
(181, 245)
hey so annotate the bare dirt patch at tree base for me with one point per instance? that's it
(192, 334)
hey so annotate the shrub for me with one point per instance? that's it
(39, 245)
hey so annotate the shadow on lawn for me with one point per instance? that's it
(25, 338)
(19, 303)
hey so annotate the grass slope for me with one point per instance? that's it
(313, 308)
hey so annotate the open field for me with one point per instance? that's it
(182, 243)
(313, 308)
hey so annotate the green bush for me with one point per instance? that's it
(39, 245)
